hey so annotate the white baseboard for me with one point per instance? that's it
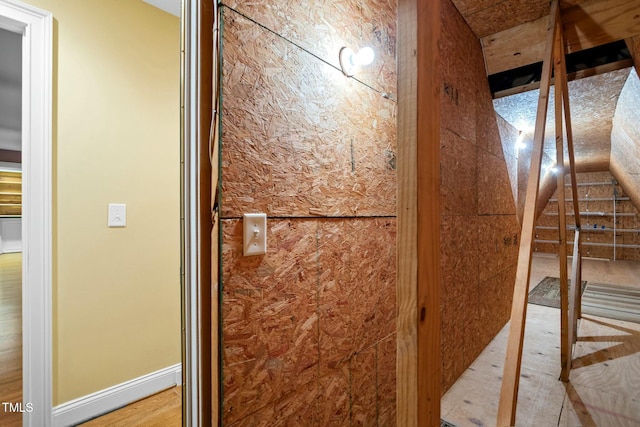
(104, 401)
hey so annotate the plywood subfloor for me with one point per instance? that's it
(603, 390)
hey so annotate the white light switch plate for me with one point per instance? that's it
(255, 234)
(117, 215)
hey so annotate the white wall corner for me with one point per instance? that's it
(109, 399)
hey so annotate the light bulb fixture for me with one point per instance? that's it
(350, 61)
(553, 169)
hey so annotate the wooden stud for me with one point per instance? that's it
(510, 379)
(564, 88)
(591, 23)
(566, 335)
(576, 290)
(418, 288)
(579, 298)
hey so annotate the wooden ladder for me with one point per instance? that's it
(570, 298)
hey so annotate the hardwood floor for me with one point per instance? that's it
(603, 388)
(160, 410)
(10, 336)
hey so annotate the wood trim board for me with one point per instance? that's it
(418, 288)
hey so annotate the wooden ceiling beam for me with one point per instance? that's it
(589, 72)
(589, 24)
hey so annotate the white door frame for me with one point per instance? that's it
(36, 27)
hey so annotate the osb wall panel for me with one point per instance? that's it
(308, 329)
(458, 177)
(509, 136)
(625, 137)
(597, 219)
(479, 228)
(498, 242)
(323, 27)
(299, 138)
(494, 187)
(319, 307)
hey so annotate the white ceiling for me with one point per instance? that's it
(170, 6)
(10, 90)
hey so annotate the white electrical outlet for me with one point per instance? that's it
(117, 215)
(255, 234)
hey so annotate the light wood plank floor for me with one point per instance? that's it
(160, 410)
(10, 336)
(604, 389)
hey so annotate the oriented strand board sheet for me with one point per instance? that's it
(498, 242)
(364, 388)
(509, 136)
(356, 287)
(487, 18)
(386, 369)
(269, 316)
(458, 177)
(461, 69)
(309, 314)
(494, 186)
(297, 129)
(479, 230)
(625, 138)
(324, 26)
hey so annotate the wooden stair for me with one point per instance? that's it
(10, 193)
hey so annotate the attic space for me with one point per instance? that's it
(308, 331)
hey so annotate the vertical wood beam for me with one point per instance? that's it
(418, 288)
(510, 379)
(576, 289)
(575, 295)
(561, 83)
(566, 335)
(579, 298)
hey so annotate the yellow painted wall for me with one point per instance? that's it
(116, 110)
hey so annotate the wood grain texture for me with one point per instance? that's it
(602, 389)
(163, 409)
(566, 332)
(592, 23)
(634, 47)
(323, 295)
(511, 377)
(477, 207)
(625, 152)
(10, 336)
(296, 128)
(418, 381)
(308, 328)
(323, 26)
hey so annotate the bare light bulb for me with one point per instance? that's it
(351, 61)
(365, 56)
